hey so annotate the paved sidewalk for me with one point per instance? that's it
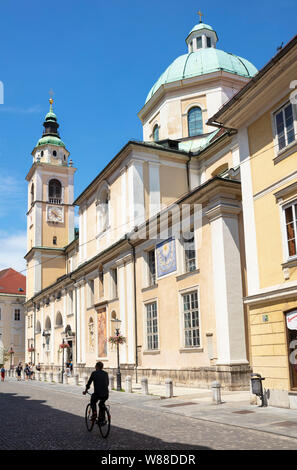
(235, 410)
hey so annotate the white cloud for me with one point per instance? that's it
(12, 251)
(12, 195)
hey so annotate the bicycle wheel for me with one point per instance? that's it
(88, 418)
(105, 427)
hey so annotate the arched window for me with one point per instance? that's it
(195, 124)
(54, 191)
(59, 320)
(38, 327)
(156, 133)
(32, 193)
(103, 209)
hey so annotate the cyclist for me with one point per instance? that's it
(100, 381)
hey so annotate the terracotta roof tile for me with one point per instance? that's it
(12, 282)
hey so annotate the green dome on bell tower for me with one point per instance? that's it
(50, 133)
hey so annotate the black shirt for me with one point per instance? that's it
(101, 382)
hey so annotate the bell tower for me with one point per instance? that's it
(50, 214)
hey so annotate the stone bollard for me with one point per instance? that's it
(128, 381)
(51, 377)
(144, 386)
(8, 372)
(44, 376)
(57, 377)
(86, 378)
(216, 392)
(169, 388)
(39, 376)
(76, 379)
(111, 382)
(24, 375)
(65, 378)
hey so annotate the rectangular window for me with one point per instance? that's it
(199, 42)
(151, 259)
(114, 283)
(152, 326)
(208, 41)
(291, 228)
(91, 292)
(188, 240)
(284, 126)
(191, 319)
(17, 314)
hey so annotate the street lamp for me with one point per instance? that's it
(117, 321)
(63, 334)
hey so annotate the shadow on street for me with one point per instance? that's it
(31, 424)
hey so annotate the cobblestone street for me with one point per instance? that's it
(47, 416)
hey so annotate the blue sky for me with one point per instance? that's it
(101, 59)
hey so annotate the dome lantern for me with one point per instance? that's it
(201, 36)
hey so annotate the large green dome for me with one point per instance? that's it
(202, 62)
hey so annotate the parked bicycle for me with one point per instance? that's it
(104, 426)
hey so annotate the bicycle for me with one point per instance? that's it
(104, 427)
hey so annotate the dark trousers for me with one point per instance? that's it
(94, 399)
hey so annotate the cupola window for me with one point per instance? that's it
(195, 124)
(156, 133)
(54, 153)
(208, 41)
(54, 191)
(199, 42)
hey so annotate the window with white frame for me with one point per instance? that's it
(152, 336)
(291, 228)
(151, 263)
(17, 314)
(188, 242)
(191, 319)
(284, 126)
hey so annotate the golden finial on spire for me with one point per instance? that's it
(200, 14)
(51, 93)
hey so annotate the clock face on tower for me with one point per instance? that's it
(55, 214)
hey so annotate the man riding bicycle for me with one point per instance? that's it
(100, 381)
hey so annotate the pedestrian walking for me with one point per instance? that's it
(31, 371)
(27, 372)
(2, 374)
(19, 371)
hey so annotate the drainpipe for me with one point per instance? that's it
(135, 308)
(188, 172)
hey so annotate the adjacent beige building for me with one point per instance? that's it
(12, 317)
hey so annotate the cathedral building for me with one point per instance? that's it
(160, 245)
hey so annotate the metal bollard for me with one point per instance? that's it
(144, 386)
(169, 388)
(76, 379)
(111, 382)
(128, 382)
(216, 392)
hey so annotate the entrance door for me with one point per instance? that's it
(291, 318)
